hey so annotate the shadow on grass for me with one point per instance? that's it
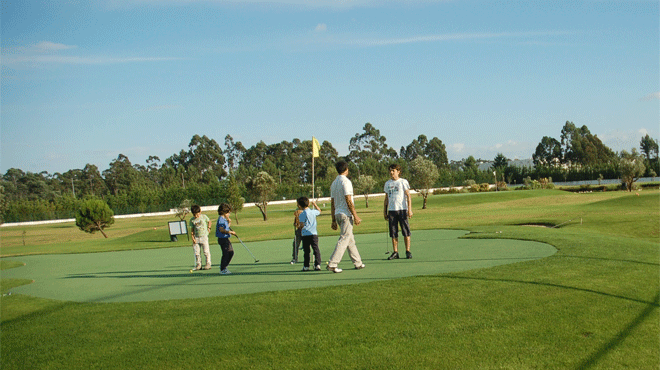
(623, 334)
(610, 259)
(616, 340)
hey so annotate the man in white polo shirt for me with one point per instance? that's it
(343, 216)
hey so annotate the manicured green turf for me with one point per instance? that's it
(146, 275)
(592, 305)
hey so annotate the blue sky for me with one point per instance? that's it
(86, 80)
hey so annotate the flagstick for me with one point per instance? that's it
(312, 172)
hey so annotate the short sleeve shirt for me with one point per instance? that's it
(200, 225)
(308, 219)
(396, 194)
(341, 187)
(224, 224)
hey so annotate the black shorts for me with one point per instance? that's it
(397, 218)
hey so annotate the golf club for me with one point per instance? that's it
(387, 238)
(239, 239)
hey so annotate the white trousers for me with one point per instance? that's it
(202, 243)
(346, 241)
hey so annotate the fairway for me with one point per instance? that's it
(163, 274)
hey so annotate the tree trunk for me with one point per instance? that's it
(424, 196)
(262, 208)
(98, 225)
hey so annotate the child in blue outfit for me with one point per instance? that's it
(310, 238)
(223, 232)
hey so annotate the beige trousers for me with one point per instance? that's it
(346, 240)
(203, 242)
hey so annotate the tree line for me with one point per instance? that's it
(208, 172)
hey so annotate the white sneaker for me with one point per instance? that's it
(305, 268)
(360, 267)
(317, 268)
(225, 272)
(336, 270)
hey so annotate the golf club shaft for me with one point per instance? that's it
(387, 238)
(246, 248)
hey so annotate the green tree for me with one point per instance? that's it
(234, 198)
(94, 215)
(94, 184)
(436, 152)
(470, 168)
(433, 150)
(548, 152)
(500, 163)
(120, 175)
(499, 166)
(631, 167)
(262, 189)
(649, 148)
(183, 209)
(414, 149)
(369, 151)
(424, 173)
(3, 204)
(364, 184)
(206, 156)
(582, 148)
(233, 153)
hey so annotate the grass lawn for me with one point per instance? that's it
(593, 304)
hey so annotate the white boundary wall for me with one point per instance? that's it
(204, 208)
(170, 212)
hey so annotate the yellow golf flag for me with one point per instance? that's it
(315, 147)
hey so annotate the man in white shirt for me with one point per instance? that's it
(398, 209)
(343, 216)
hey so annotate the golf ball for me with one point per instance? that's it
(191, 271)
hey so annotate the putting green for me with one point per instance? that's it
(162, 274)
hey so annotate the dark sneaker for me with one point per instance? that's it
(305, 268)
(395, 255)
(408, 255)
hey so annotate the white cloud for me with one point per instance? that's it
(46, 46)
(457, 147)
(56, 59)
(330, 4)
(46, 52)
(450, 37)
(618, 140)
(321, 27)
(651, 97)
